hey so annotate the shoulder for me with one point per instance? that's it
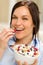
(41, 53)
(41, 44)
(41, 47)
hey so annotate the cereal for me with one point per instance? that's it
(27, 50)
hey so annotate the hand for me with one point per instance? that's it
(35, 63)
(25, 63)
(19, 63)
(5, 35)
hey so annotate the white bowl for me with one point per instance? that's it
(22, 58)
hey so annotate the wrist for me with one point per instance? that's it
(1, 52)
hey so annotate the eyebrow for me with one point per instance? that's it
(14, 15)
(22, 16)
(25, 16)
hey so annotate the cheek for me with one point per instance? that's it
(13, 23)
(29, 27)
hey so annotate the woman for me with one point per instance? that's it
(25, 22)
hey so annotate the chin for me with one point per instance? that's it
(19, 37)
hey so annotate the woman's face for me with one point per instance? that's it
(22, 22)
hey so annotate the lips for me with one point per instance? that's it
(18, 30)
(14, 30)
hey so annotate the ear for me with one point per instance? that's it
(33, 26)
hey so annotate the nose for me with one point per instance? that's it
(19, 22)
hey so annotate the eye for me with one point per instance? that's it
(25, 18)
(14, 17)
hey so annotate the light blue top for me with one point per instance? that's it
(8, 57)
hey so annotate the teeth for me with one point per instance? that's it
(19, 29)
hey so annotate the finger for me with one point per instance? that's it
(5, 32)
(11, 29)
(8, 34)
(2, 33)
(19, 63)
(35, 63)
(25, 63)
(8, 38)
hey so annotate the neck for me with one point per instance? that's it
(25, 40)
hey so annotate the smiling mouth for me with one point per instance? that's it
(19, 29)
